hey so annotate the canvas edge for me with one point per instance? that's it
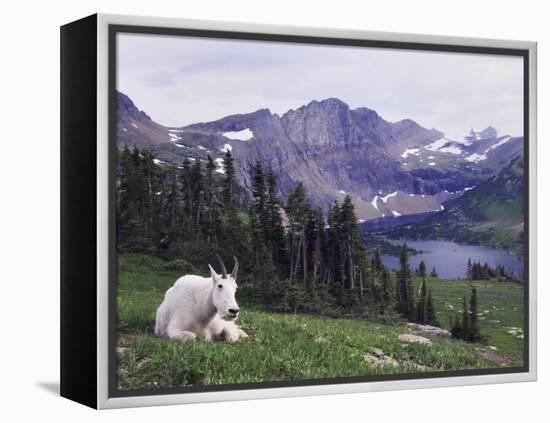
(103, 400)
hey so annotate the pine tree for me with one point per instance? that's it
(421, 304)
(259, 196)
(434, 273)
(232, 223)
(386, 283)
(456, 328)
(405, 302)
(197, 190)
(210, 189)
(465, 320)
(278, 243)
(298, 210)
(422, 269)
(469, 269)
(431, 317)
(474, 334)
(377, 265)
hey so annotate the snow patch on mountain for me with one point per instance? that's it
(374, 202)
(502, 141)
(410, 151)
(219, 165)
(385, 199)
(451, 149)
(396, 214)
(226, 148)
(474, 158)
(244, 135)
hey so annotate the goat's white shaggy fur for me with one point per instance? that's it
(200, 307)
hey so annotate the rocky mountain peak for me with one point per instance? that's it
(126, 109)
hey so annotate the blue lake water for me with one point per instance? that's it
(450, 259)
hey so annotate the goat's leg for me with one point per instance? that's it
(180, 335)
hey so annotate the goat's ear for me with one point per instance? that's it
(213, 273)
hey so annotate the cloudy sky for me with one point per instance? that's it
(183, 80)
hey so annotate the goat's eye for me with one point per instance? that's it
(220, 286)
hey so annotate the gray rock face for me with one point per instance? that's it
(332, 149)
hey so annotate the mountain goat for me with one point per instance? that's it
(201, 307)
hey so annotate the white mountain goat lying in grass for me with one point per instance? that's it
(201, 307)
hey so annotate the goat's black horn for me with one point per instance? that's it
(235, 268)
(224, 270)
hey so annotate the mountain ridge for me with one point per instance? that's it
(332, 149)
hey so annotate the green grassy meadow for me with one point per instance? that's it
(284, 347)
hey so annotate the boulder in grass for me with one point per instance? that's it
(415, 339)
(429, 330)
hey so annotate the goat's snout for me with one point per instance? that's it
(233, 311)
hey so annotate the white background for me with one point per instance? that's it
(29, 231)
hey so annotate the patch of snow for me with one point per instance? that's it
(404, 164)
(469, 188)
(441, 207)
(176, 131)
(431, 157)
(200, 147)
(437, 144)
(243, 135)
(411, 195)
(431, 164)
(451, 149)
(342, 192)
(157, 161)
(219, 165)
(385, 199)
(226, 148)
(423, 195)
(124, 129)
(373, 202)
(134, 125)
(504, 140)
(409, 151)
(174, 137)
(181, 146)
(361, 220)
(396, 214)
(476, 157)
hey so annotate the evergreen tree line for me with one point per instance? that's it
(466, 327)
(475, 271)
(419, 309)
(292, 257)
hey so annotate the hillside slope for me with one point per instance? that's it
(489, 214)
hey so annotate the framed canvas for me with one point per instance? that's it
(253, 211)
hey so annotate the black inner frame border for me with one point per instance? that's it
(113, 30)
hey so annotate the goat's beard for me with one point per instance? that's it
(228, 317)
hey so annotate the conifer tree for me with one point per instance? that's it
(474, 334)
(456, 328)
(297, 210)
(422, 269)
(386, 284)
(434, 273)
(469, 269)
(421, 304)
(278, 244)
(465, 320)
(405, 304)
(431, 317)
(210, 198)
